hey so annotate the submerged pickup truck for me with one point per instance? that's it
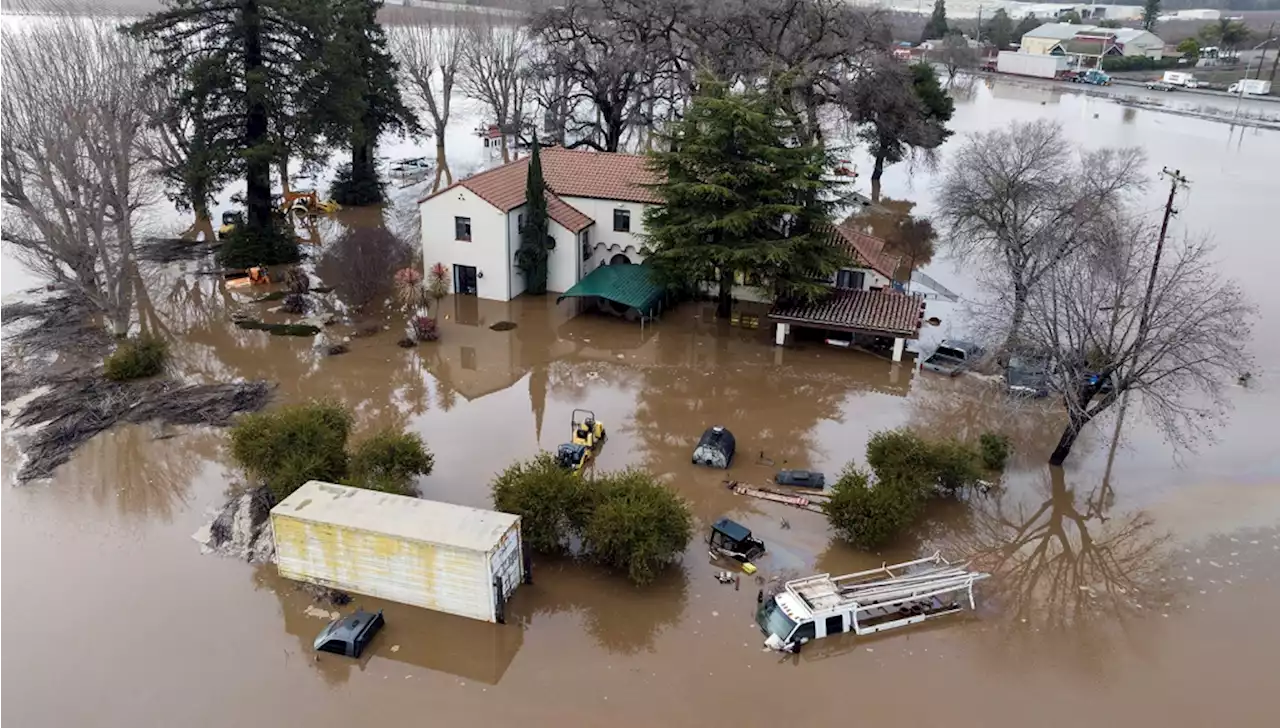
(953, 357)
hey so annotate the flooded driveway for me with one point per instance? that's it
(1125, 590)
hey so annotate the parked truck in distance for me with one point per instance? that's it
(1180, 78)
(1093, 77)
(1030, 64)
(1250, 86)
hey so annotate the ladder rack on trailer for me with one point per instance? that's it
(868, 601)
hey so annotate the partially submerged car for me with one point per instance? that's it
(734, 540)
(801, 478)
(1028, 376)
(953, 357)
(348, 636)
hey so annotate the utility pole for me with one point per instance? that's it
(1175, 180)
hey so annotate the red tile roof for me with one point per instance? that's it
(568, 173)
(868, 250)
(570, 217)
(882, 312)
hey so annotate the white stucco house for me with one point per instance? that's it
(595, 201)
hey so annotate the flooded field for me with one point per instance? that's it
(1125, 590)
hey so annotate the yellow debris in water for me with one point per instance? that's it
(748, 568)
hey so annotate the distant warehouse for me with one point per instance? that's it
(464, 561)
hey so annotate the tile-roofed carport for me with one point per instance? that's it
(883, 313)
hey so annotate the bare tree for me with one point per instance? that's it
(956, 54)
(1174, 339)
(494, 72)
(1023, 199)
(72, 176)
(430, 56)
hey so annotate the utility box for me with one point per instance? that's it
(449, 558)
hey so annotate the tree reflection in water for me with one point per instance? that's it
(1065, 565)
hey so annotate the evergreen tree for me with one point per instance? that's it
(1026, 25)
(241, 62)
(531, 256)
(936, 26)
(742, 193)
(999, 30)
(361, 97)
(1150, 14)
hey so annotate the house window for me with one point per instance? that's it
(622, 221)
(586, 246)
(462, 228)
(853, 280)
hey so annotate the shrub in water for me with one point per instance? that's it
(869, 516)
(246, 247)
(425, 329)
(638, 525)
(388, 461)
(285, 448)
(295, 303)
(995, 450)
(297, 281)
(141, 356)
(903, 456)
(553, 503)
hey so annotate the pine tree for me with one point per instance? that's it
(898, 111)
(1000, 30)
(361, 96)
(241, 61)
(531, 256)
(1150, 14)
(936, 26)
(741, 193)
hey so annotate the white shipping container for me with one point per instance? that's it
(429, 554)
(1030, 64)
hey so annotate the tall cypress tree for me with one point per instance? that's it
(936, 26)
(531, 256)
(362, 98)
(241, 62)
(742, 194)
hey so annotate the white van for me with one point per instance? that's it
(1180, 78)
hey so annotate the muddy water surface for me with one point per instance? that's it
(1124, 590)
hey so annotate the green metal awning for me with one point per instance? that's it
(631, 285)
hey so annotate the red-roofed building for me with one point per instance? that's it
(596, 202)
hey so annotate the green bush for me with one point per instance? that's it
(388, 461)
(135, 358)
(869, 516)
(995, 450)
(553, 503)
(246, 247)
(353, 191)
(625, 521)
(638, 525)
(903, 456)
(285, 448)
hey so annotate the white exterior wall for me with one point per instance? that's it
(513, 270)
(605, 242)
(564, 264)
(487, 250)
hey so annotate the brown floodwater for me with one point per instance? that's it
(1134, 587)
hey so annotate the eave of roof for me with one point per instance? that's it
(879, 312)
